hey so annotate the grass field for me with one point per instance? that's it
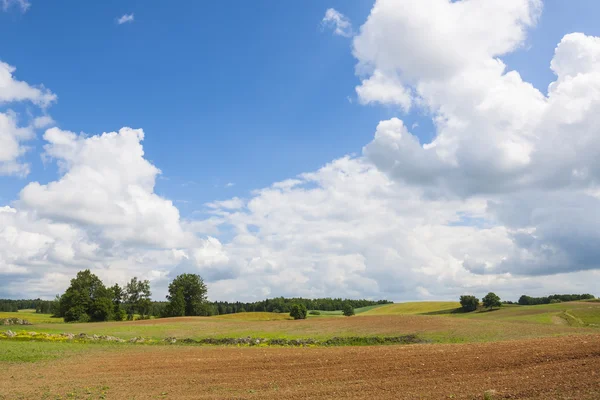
(339, 313)
(412, 308)
(32, 317)
(512, 322)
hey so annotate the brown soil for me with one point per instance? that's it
(549, 368)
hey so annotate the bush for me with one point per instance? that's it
(469, 303)
(120, 314)
(314, 312)
(348, 311)
(298, 311)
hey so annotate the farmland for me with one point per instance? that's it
(531, 352)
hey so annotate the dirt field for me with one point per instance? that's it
(549, 368)
(434, 328)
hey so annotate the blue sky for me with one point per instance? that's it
(235, 96)
(226, 92)
(247, 93)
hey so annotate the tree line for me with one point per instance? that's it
(88, 299)
(284, 305)
(40, 306)
(555, 298)
(470, 303)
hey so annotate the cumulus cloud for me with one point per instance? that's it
(107, 183)
(101, 213)
(12, 135)
(497, 138)
(11, 145)
(125, 19)
(337, 21)
(13, 90)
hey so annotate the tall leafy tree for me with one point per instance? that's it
(176, 306)
(491, 300)
(194, 292)
(137, 294)
(86, 299)
(118, 297)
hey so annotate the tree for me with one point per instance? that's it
(193, 291)
(86, 299)
(348, 310)
(118, 296)
(469, 303)
(298, 311)
(176, 306)
(137, 295)
(491, 300)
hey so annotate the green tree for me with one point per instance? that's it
(469, 303)
(298, 311)
(194, 292)
(118, 297)
(348, 310)
(176, 305)
(86, 299)
(491, 300)
(137, 295)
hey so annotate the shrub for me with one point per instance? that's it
(120, 314)
(298, 311)
(314, 312)
(348, 311)
(469, 303)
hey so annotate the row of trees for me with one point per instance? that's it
(555, 298)
(471, 303)
(88, 299)
(284, 305)
(16, 305)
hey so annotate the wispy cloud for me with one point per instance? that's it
(22, 4)
(125, 18)
(229, 184)
(337, 21)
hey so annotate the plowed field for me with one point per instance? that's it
(549, 368)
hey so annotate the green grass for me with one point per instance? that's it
(31, 316)
(21, 352)
(573, 313)
(254, 316)
(339, 313)
(413, 308)
(435, 321)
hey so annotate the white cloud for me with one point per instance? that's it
(42, 121)
(12, 135)
(125, 18)
(11, 147)
(107, 183)
(22, 4)
(230, 204)
(13, 90)
(338, 22)
(497, 138)
(385, 90)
